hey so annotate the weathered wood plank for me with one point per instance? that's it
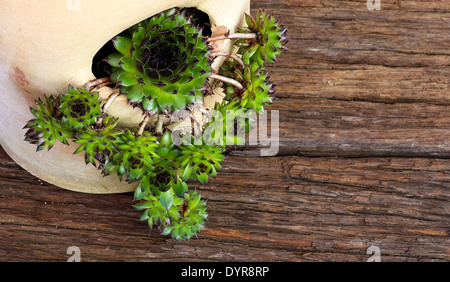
(363, 83)
(364, 123)
(324, 127)
(282, 209)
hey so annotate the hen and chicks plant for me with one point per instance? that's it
(163, 65)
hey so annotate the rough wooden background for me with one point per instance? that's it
(364, 160)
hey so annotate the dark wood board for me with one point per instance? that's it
(363, 100)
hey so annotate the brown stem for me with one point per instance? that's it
(108, 103)
(233, 36)
(227, 80)
(94, 83)
(111, 99)
(142, 125)
(232, 56)
(96, 88)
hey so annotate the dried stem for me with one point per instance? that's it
(97, 87)
(227, 80)
(111, 99)
(233, 36)
(142, 125)
(95, 83)
(232, 56)
(159, 125)
(108, 103)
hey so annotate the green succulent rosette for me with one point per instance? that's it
(100, 145)
(228, 125)
(182, 218)
(164, 175)
(257, 86)
(80, 108)
(163, 66)
(270, 39)
(46, 127)
(189, 220)
(258, 90)
(200, 162)
(136, 156)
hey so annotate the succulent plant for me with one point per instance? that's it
(200, 162)
(250, 87)
(180, 217)
(100, 145)
(165, 173)
(80, 108)
(163, 66)
(136, 157)
(46, 127)
(228, 125)
(270, 39)
(258, 86)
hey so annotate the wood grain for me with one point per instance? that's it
(364, 157)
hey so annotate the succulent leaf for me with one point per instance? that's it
(168, 56)
(182, 219)
(135, 157)
(100, 146)
(46, 127)
(200, 162)
(80, 108)
(271, 38)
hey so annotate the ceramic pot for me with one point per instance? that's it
(47, 45)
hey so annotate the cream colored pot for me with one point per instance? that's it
(47, 45)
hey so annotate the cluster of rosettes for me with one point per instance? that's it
(61, 117)
(158, 166)
(163, 65)
(270, 40)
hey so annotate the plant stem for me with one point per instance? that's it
(108, 103)
(232, 56)
(95, 83)
(111, 99)
(97, 87)
(159, 125)
(232, 36)
(227, 80)
(142, 125)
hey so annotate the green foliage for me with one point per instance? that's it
(136, 156)
(229, 124)
(182, 218)
(46, 127)
(80, 108)
(258, 86)
(100, 146)
(163, 64)
(271, 38)
(200, 162)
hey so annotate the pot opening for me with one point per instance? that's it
(102, 69)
